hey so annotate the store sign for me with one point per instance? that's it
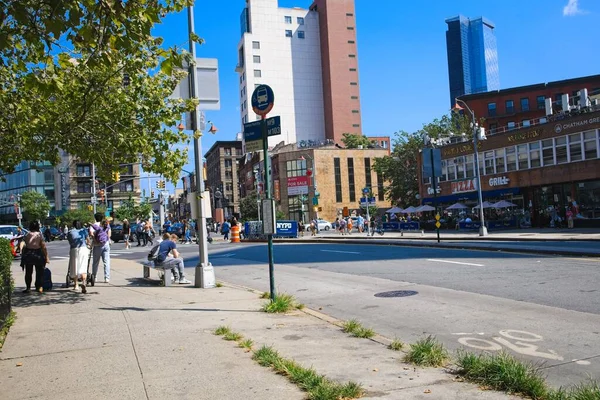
(276, 190)
(558, 128)
(297, 185)
(517, 137)
(499, 181)
(468, 185)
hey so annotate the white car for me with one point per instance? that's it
(10, 231)
(324, 225)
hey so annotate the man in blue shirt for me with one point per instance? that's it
(168, 257)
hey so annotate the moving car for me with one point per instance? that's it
(324, 225)
(10, 231)
(116, 233)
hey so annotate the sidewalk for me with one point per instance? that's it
(133, 339)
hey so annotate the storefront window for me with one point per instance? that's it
(523, 154)
(548, 152)
(588, 199)
(575, 147)
(534, 154)
(561, 150)
(469, 166)
(489, 162)
(444, 176)
(500, 164)
(451, 169)
(590, 145)
(511, 159)
(460, 168)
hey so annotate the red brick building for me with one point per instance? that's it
(545, 164)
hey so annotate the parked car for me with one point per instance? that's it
(10, 231)
(324, 225)
(116, 233)
(55, 233)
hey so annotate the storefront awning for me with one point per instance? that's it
(472, 195)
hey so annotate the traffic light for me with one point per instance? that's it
(152, 191)
(160, 184)
(116, 176)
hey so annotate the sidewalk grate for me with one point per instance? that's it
(397, 293)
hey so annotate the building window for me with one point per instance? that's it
(523, 156)
(349, 15)
(84, 170)
(451, 165)
(257, 73)
(288, 33)
(353, 83)
(525, 104)
(561, 150)
(355, 125)
(351, 42)
(491, 109)
(511, 159)
(541, 102)
(368, 182)
(525, 123)
(288, 19)
(558, 99)
(256, 45)
(547, 152)
(227, 152)
(350, 28)
(126, 186)
(534, 154)
(380, 188)
(469, 166)
(493, 127)
(84, 187)
(296, 168)
(499, 161)
(460, 168)
(511, 125)
(301, 35)
(354, 111)
(575, 150)
(510, 106)
(590, 145)
(351, 187)
(228, 175)
(488, 159)
(228, 163)
(300, 20)
(352, 55)
(337, 171)
(354, 97)
(352, 69)
(256, 59)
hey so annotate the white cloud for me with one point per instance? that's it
(572, 9)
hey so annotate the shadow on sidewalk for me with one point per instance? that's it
(176, 309)
(53, 297)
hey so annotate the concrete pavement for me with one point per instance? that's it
(135, 340)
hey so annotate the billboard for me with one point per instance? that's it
(297, 185)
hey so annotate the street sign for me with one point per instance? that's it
(370, 201)
(273, 126)
(432, 163)
(252, 131)
(366, 191)
(437, 217)
(263, 99)
(437, 224)
(19, 216)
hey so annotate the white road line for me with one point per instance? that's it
(339, 251)
(455, 262)
(61, 257)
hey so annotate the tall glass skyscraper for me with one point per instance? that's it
(472, 56)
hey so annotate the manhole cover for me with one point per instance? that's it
(397, 293)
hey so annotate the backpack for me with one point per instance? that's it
(47, 283)
(153, 254)
(101, 236)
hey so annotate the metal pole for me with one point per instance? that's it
(94, 187)
(314, 181)
(482, 228)
(268, 197)
(203, 264)
(434, 184)
(258, 207)
(19, 210)
(161, 212)
(368, 216)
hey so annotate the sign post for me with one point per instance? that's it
(262, 103)
(432, 163)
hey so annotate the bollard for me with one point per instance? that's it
(401, 233)
(422, 232)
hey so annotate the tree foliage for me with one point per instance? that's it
(87, 77)
(249, 208)
(35, 206)
(400, 168)
(352, 141)
(130, 210)
(82, 215)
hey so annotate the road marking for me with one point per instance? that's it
(223, 255)
(340, 251)
(455, 262)
(61, 257)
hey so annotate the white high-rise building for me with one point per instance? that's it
(281, 47)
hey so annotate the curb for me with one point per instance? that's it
(464, 246)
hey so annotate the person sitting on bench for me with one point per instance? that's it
(175, 262)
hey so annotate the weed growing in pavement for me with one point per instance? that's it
(6, 324)
(222, 330)
(317, 386)
(265, 295)
(219, 284)
(232, 336)
(396, 345)
(583, 391)
(283, 303)
(356, 329)
(427, 352)
(246, 344)
(502, 372)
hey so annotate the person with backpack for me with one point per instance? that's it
(166, 249)
(34, 254)
(100, 232)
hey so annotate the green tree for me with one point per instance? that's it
(87, 77)
(35, 206)
(83, 215)
(352, 141)
(130, 210)
(249, 208)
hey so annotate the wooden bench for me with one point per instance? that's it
(167, 273)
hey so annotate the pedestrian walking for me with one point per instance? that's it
(149, 233)
(360, 222)
(188, 231)
(100, 232)
(225, 230)
(141, 237)
(47, 234)
(34, 255)
(79, 253)
(126, 233)
(349, 226)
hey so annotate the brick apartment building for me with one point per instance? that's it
(534, 158)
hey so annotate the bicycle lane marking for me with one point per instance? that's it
(455, 262)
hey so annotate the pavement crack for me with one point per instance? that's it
(570, 362)
(51, 353)
(137, 360)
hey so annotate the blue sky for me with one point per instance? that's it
(402, 52)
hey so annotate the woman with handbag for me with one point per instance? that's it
(34, 255)
(79, 254)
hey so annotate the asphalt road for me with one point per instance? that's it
(543, 309)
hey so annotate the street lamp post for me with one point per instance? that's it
(482, 229)
(314, 185)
